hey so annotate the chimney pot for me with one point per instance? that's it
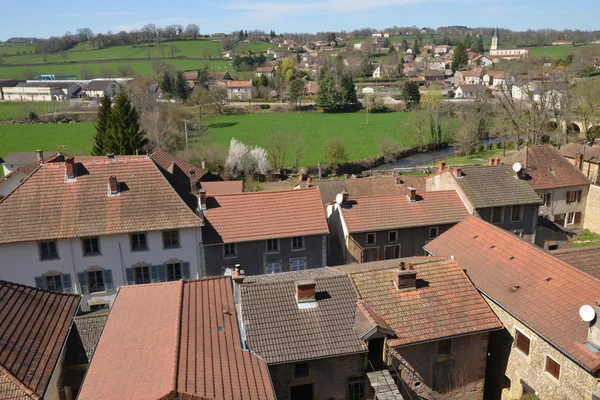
(305, 292)
(405, 280)
(70, 167)
(441, 166)
(458, 172)
(110, 155)
(345, 196)
(238, 275)
(578, 160)
(114, 186)
(412, 194)
(39, 155)
(202, 198)
(309, 182)
(203, 163)
(491, 161)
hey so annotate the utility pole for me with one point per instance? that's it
(186, 134)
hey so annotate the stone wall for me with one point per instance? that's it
(574, 382)
(592, 210)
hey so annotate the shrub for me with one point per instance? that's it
(265, 106)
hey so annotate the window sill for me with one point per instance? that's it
(50, 259)
(101, 292)
(139, 250)
(171, 247)
(230, 257)
(272, 252)
(302, 249)
(92, 255)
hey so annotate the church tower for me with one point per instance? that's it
(495, 40)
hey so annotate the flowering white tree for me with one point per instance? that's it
(257, 161)
(245, 159)
(236, 157)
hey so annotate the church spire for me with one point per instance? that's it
(496, 33)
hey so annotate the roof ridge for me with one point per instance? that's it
(291, 280)
(582, 249)
(21, 183)
(265, 192)
(9, 283)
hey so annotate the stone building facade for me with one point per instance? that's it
(592, 209)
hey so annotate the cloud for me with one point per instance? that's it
(98, 14)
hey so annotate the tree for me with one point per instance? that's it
(45, 57)
(416, 48)
(262, 81)
(366, 68)
(334, 151)
(468, 41)
(297, 90)
(167, 84)
(173, 49)
(181, 88)
(278, 145)
(124, 133)
(106, 73)
(85, 74)
(247, 160)
(388, 148)
(219, 99)
(460, 58)
(466, 136)
(478, 46)
(157, 126)
(102, 122)
(299, 147)
(287, 66)
(387, 43)
(404, 45)
(410, 92)
(65, 56)
(125, 70)
(192, 31)
(348, 95)
(327, 96)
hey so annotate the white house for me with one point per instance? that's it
(482, 61)
(18, 166)
(469, 91)
(89, 225)
(474, 76)
(41, 91)
(239, 90)
(100, 87)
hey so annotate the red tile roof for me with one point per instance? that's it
(445, 303)
(34, 325)
(239, 84)
(223, 187)
(592, 153)
(547, 168)
(175, 165)
(586, 258)
(373, 213)
(245, 217)
(30, 168)
(83, 208)
(540, 290)
(175, 340)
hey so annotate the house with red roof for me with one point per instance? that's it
(548, 346)
(241, 90)
(20, 165)
(89, 225)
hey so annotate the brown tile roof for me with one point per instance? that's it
(265, 69)
(540, 290)
(473, 88)
(190, 75)
(34, 325)
(592, 153)
(239, 84)
(493, 186)
(293, 275)
(175, 340)
(22, 158)
(547, 168)
(89, 327)
(280, 332)
(445, 303)
(367, 321)
(374, 213)
(586, 258)
(223, 187)
(477, 72)
(245, 217)
(30, 168)
(47, 207)
(177, 166)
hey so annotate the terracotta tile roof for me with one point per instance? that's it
(177, 166)
(22, 158)
(293, 275)
(473, 88)
(367, 321)
(586, 258)
(89, 327)
(477, 72)
(374, 213)
(592, 153)
(280, 332)
(239, 84)
(547, 168)
(445, 303)
(34, 325)
(540, 290)
(493, 186)
(223, 187)
(175, 340)
(244, 217)
(265, 69)
(30, 168)
(146, 202)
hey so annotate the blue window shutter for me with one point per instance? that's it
(186, 270)
(39, 282)
(67, 284)
(108, 282)
(162, 275)
(129, 273)
(154, 273)
(83, 282)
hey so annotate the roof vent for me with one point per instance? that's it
(110, 155)
(306, 294)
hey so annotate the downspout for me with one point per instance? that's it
(75, 279)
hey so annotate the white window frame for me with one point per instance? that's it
(501, 215)
(390, 240)
(273, 262)
(437, 232)
(521, 210)
(303, 243)
(570, 218)
(374, 239)
(297, 259)
(272, 251)
(235, 252)
(547, 199)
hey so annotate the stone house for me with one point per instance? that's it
(545, 349)
(492, 193)
(241, 90)
(474, 76)
(267, 232)
(584, 157)
(373, 228)
(99, 88)
(269, 72)
(498, 80)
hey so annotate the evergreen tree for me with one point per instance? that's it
(124, 134)
(102, 121)
(468, 41)
(415, 47)
(327, 96)
(348, 91)
(182, 90)
(167, 85)
(410, 92)
(460, 58)
(478, 46)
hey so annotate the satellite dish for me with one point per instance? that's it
(517, 167)
(339, 198)
(587, 313)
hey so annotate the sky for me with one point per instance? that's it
(43, 19)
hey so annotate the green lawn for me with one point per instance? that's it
(72, 138)
(477, 157)
(556, 52)
(15, 109)
(14, 48)
(587, 238)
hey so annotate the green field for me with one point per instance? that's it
(15, 109)
(71, 138)
(556, 52)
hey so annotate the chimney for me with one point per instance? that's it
(70, 167)
(441, 166)
(202, 199)
(497, 161)
(491, 161)
(113, 185)
(398, 181)
(520, 173)
(110, 155)
(309, 182)
(593, 336)
(405, 278)
(458, 172)
(39, 155)
(238, 275)
(203, 163)
(412, 195)
(305, 294)
(578, 160)
(345, 196)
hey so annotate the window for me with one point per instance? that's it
(522, 342)
(393, 237)
(48, 251)
(170, 239)
(552, 367)
(553, 246)
(392, 252)
(573, 218)
(516, 213)
(433, 232)
(298, 264)
(138, 242)
(273, 267)
(560, 219)
(574, 196)
(301, 370)
(95, 280)
(272, 245)
(141, 275)
(91, 246)
(100, 306)
(370, 238)
(298, 243)
(229, 250)
(445, 346)
(497, 214)
(173, 271)
(546, 198)
(356, 388)
(53, 283)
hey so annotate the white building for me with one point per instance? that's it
(241, 90)
(18, 166)
(41, 91)
(507, 54)
(100, 88)
(92, 224)
(470, 91)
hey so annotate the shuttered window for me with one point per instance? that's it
(56, 283)
(552, 367)
(522, 342)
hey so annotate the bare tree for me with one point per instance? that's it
(106, 73)
(157, 126)
(173, 49)
(159, 67)
(278, 145)
(334, 151)
(29, 74)
(149, 52)
(466, 136)
(192, 31)
(587, 105)
(163, 51)
(417, 128)
(219, 99)
(299, 148)
(1, 61)
(45, 57)
(125, 70)
(388, 148)
(65, 56)
(86, 74)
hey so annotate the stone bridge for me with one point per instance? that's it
(573, 126)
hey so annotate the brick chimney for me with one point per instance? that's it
(39, 155)
(238, 275)
(411, 194)
(458, 172)
(309, 182)
(306, 294)
(113, 185)
(70, 167)
(202, 199)
(441, 166)
(497, 161)
(398, 181)
(578, 160)
(491, 161)
(345, 196)
(405, 278)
